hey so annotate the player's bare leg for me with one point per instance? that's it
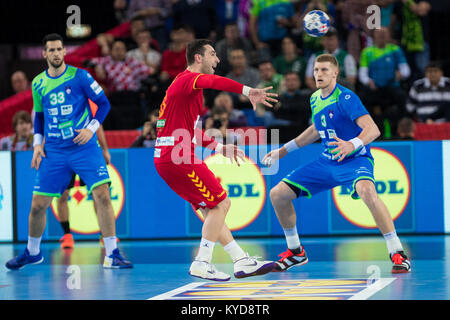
(63, 214)
(366, 190)
(281, 197)
(107, 223)
(38, 215)
(105, 212)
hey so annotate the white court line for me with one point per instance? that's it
(176, 291)
(372, 289)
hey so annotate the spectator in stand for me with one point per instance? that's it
(120, 10)
(347, 64)
(382, 66)
(174, 57)
(20, 82)
(406, 129)
(232, 40)
(415, 34)
(429, 98)
(290, 60)
(217, 123)
(294, 102)
(148, 137)
(270, 21)
(200, 14)
(354, 18)
(244, 18)
(119, 72)
(236, 117)
(144, 52)
(242, 73)
(105, 40)
(226, 12)
(22, 139)
(269, 77)
(154, 13)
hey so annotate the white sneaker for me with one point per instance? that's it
(250, 266)
(205, 270)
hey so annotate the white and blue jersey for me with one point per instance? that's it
(62, 106)
(333, 116)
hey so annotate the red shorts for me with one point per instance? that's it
(195, 183)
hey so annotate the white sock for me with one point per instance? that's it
(292, 239)
(393, 242)
(205, 250)
(234, 250)
(33, 245)
(110, 244)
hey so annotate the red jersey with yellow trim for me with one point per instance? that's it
(180, 113)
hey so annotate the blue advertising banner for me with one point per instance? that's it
(408, 178)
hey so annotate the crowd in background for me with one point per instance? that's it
(262, 43)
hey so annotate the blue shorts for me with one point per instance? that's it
(324, 174)
(56, 169)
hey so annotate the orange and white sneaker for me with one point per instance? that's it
(67, 241)
(290, 259)
(401, 262)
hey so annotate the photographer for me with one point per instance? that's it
(148, 137)
(217, 124)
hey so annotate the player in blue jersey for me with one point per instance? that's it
(64, 119)
(346, 129)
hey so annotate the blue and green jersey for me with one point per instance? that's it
(63, 104)
(336, 115)
(382, 63)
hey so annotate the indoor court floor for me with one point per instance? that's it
(338, 268)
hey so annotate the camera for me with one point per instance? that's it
(217, 124)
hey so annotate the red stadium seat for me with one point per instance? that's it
(440, 131)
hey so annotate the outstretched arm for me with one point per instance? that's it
(211, 81)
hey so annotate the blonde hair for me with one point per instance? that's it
(327, 58)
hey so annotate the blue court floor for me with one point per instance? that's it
(338, 268)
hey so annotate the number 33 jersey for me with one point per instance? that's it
(65, 105)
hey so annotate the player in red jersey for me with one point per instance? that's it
(187, 175)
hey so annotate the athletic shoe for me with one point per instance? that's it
(102, 243)
(289, 259)
(67, 241)
(25, 258)
(116, 261)
(205, 270)
(401, 262)
(250, 266)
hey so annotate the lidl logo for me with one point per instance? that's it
(393, 186)
(245, 186)
(82, 217)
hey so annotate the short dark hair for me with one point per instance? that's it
(434, 65)
(264, 61)
(52, 37)
(196, 47)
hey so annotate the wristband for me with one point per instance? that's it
(357, 143)
(93, 125)
(291, 146)
(246, 91)
(37, 139)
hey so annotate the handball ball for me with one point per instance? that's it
(316, 23)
